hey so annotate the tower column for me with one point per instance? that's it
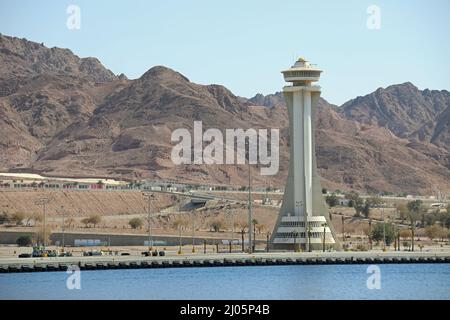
(303, 208)
(297, 149)
(307, 150)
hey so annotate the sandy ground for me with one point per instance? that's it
(13, 251)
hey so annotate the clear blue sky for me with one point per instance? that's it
(244, 44)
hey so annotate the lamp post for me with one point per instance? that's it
(43, 202)
(384, 229)
(63, 225)
(180, 251)
(231, 218)
(193, 232)
(250, 213)
(149, 197)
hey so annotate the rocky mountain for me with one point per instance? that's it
(66, 116)
(405, 110)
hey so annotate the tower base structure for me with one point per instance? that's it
(303, 222)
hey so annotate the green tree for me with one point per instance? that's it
(433, 232)
(216, 225)
(355, 202)
(402, 210)
(95, 220)
(415, 209)
(4, 218)
(135, 223)
(353, 195)
(332, 200)
(359, 206)
(415, 206)
(86, 222)
(366, 209)
(381, 229)
(24, 241)
(374, 202)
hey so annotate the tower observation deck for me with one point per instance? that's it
(303, 221)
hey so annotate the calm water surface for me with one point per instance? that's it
(398, 281)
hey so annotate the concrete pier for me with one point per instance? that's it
(218, 260)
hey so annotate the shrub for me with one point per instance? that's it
(4, 218)
(135, 223)
(389, 230)
(24, 241)
(332, 200)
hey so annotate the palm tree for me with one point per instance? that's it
(415, 209)
(324, 225)
(179, 224)
(242, 226)
(254, 222)
(309, 237)
(295, 234)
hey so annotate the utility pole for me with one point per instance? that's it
(384, 229)
(231, 219)
(232, 230)
(63, 225)
(254, 235)
(250, 214)
(193, 232)
(43, 202)
(149, 197)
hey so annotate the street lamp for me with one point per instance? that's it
(384, 229)
(231, 217)
(63, 225)
(250, 214)
(43, 202)
(149, 197)
(193, 232)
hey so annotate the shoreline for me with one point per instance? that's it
(15, 265)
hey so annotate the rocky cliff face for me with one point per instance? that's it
(405, 110)
(62, 115)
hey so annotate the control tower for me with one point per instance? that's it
(303, 222)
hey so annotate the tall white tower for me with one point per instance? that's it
(303, 216)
